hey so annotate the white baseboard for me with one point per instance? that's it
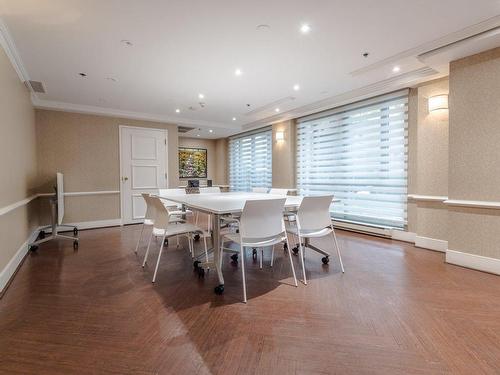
(431, 243)
(11, 267)
(476, 262)
(93, 224)
(401, 235)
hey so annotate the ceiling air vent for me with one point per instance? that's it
(184, 129)
(35, 86)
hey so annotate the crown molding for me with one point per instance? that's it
(10, 49)
(111, 112)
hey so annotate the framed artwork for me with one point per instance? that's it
(192, 162)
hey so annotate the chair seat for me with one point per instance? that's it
(255, 243)
(309, 234)
(176, 229)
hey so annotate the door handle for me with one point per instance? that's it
(124, 179)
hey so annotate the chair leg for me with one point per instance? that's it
(139, 240)
(177, 237)
(158, 261)
(291, 262)
(272, 255)
(301, 250)
(242, 256)
(221, 257)
(338, 249)
(261, 256)
(147, 249)
(206, 248)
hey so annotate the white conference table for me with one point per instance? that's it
(220, 204)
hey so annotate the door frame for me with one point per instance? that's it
(120, 127)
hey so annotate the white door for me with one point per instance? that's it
(143, 160)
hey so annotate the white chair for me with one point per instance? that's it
(313, 221)
(149, 217)
(278, 191)
(163, 227)
(209, 190)
(174, 208)
(259, 190)
(261, 225)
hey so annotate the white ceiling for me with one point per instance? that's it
(184, 47)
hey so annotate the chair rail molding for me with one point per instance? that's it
(473, 204)
(427, 198)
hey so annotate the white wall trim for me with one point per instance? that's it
(13, 206)
(431, 243)
(10, 49)
(93, 224)
(476, 262)
(427, 198)
(473, 204)
(11, 267)
(82, 193)
(401, 235)
(119, 113)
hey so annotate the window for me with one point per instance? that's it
(359, 154)
(250, 160)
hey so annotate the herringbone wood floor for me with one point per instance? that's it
(396, 310)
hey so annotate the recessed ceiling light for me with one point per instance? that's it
(177, 110)
(276, 109)
(127, 42)
(296, 87)
(82, 75)
(238, 72)
(201, 96)
(210, 131)
(305, 28)
(234, 118)
(396, 69)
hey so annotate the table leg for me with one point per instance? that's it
(219, 289)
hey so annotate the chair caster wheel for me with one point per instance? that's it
(234, 257)
(196, 237)
(325, 260)
(295, 250)
(254, 254)
(285, 247)
(201, 272)
(219, 289)
(33, 248)
(75, 244)
(75, 231)
(166, 242)
(42, 234)
(196, 264)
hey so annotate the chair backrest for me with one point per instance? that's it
(150, 209)
(161, 219)
(163, 192)
(278, 191)
(314, 213)
(212, 189)
(262, 218)
(259, 190)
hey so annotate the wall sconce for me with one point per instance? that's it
(280, 136)
(438, 102)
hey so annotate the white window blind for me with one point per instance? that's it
(359, 154)
(250, 160)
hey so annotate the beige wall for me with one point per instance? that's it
(17, 161)
(221, 161)
(284, 155)
(86, 149)
(428, 161)
(474, 152)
